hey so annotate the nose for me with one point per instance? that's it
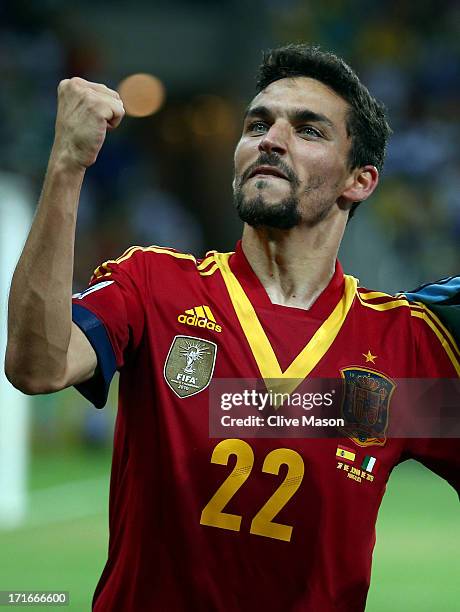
(275, 140)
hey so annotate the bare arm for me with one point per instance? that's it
(45, 350)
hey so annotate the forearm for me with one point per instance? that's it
(42, 354)
(39, 308)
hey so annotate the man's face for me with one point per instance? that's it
(291, 161)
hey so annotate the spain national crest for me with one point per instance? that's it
(366, 405)
(189, 365)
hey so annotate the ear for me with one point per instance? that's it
(360, 184)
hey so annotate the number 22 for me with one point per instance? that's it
(262, 524)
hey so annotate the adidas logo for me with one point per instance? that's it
(200, 316)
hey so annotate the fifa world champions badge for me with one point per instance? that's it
(366, 405)
(189, 365)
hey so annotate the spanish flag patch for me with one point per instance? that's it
(345, 453)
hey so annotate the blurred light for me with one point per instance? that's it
(173, 127)
(210, 115)
(142, 94)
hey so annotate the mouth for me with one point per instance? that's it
(268, 171)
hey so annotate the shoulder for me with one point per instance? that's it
(432, 341)
(381, 302)
(145, 260)
(400, 306)
(434, 336)
(397, 309)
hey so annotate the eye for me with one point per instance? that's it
(309, 130)
(257, 126)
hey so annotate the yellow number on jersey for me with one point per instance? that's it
(212, 514)
(262, 524)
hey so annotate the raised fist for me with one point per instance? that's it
(85, 112)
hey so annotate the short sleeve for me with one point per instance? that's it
(110, 312)
(438, 357)
(437, 352)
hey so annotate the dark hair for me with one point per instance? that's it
(366, 122)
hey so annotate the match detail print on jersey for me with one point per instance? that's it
(261, 348)
(189, 365)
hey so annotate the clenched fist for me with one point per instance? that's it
(85, 112)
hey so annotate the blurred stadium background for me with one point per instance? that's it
(166, 179)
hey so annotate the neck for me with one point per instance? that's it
(296, 265)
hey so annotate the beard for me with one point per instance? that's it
(286, 213)
(255, 212)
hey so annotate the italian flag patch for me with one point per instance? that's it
(368, 463)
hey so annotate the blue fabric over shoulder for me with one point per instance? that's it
(443, 298)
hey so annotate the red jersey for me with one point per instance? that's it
(199, 523)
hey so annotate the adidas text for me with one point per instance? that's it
(199, 322)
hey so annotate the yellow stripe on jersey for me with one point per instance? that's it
(166, 251)
(127, 254)
(419, 310)
(106, 265)
(102, 270)
(205, 263)
(442, 334)
(208, 266)
(372, 295)
(259, 344)
(383, 305)
(443, 329)
(210, 271)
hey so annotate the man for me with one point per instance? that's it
(198, 523)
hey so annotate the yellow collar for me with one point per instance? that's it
(264, 355)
